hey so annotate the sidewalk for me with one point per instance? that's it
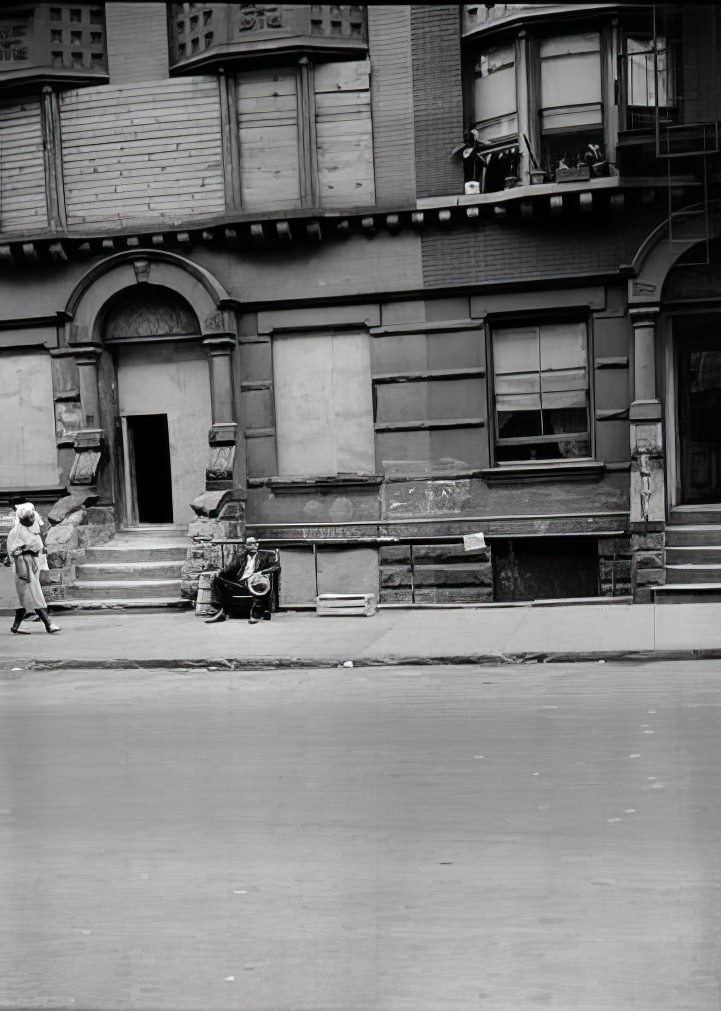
(492, 635)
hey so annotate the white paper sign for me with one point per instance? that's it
(474, 542)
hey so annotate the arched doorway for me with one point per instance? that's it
(162, 400)
(691, 307)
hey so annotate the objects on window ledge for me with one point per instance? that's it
(588, 162)
(488, 167)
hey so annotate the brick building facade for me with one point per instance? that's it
(360, 281)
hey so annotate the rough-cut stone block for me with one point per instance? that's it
(648, 541)
(209, 503)
(650, 577)
(648, 559)
(202, 529)
(61, 537)
(614, 546)
(100, 515)
(642, 595)
(68, 505)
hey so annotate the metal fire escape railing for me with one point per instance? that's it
(675, 141)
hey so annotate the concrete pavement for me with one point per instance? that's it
(496, 634)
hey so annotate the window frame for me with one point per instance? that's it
(613, 31)
(538, 320)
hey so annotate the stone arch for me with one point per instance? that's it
(656, 256)
(206, 297)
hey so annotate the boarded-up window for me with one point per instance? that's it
(324, 407)
(28, 458)
(344, 134)
(541, 392)
(142, 151)
(430, 402)
(22, 170)
(268, 125)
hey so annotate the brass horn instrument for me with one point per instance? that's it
(258, 584)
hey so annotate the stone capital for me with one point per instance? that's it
(643, 315)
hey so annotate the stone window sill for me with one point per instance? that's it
(330, 482)
(523, 473)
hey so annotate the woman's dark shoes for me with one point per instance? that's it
(218, 616)
(19, 615)
(50, 626)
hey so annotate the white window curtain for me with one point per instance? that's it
(495, 94)
(571, 82)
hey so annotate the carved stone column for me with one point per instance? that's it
(220, 510)
(222, 436)
(648, 484)
(89, 441)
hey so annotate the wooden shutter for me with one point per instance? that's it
(268, 126)
(23, 204)
(344, 134)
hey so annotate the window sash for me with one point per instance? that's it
(571, 69)
(538, 370)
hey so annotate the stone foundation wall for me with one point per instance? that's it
(614, 566)
(218, 517)
(647, 563)
(75, 524)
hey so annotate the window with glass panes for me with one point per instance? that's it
(541, 392)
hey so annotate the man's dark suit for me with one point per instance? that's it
(227, 588)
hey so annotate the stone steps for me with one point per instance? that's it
(140, 567)
(693, 555)
(125, 589)
(129, 570)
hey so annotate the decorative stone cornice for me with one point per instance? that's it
(596, 197)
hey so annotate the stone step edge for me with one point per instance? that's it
(687, 588)
(100, 583)
(120, 567)
(694, 567)
(121, 603)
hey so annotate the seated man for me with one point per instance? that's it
(232, 582)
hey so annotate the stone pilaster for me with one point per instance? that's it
(648, 485)
(222, 436)
(90, 440)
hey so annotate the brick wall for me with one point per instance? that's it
(508, 250)
(437, 83)
(701, 78)
(389, 31)
(137, 41)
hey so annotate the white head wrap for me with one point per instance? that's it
(24, 511)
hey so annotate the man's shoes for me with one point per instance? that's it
(252, 621)
(266, 616)
(218, 616)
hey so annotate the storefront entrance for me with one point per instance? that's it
(698, 357)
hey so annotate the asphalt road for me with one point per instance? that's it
(383, 839)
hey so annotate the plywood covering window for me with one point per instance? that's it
(344, 134)
(323, 404)
(305, 136)
(268, 127)
(541, 392)
(29, 454)
(429, 402)
(23, 204)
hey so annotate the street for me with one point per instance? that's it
(393, 839)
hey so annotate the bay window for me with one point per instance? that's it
(571, 109)
(648, 77)
(495, 94)
(541, 392)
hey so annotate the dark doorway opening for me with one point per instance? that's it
(545, 568)
(149, 448)
(699, 408)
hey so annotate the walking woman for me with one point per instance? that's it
(25, 548)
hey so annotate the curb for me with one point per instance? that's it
(311, 663)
